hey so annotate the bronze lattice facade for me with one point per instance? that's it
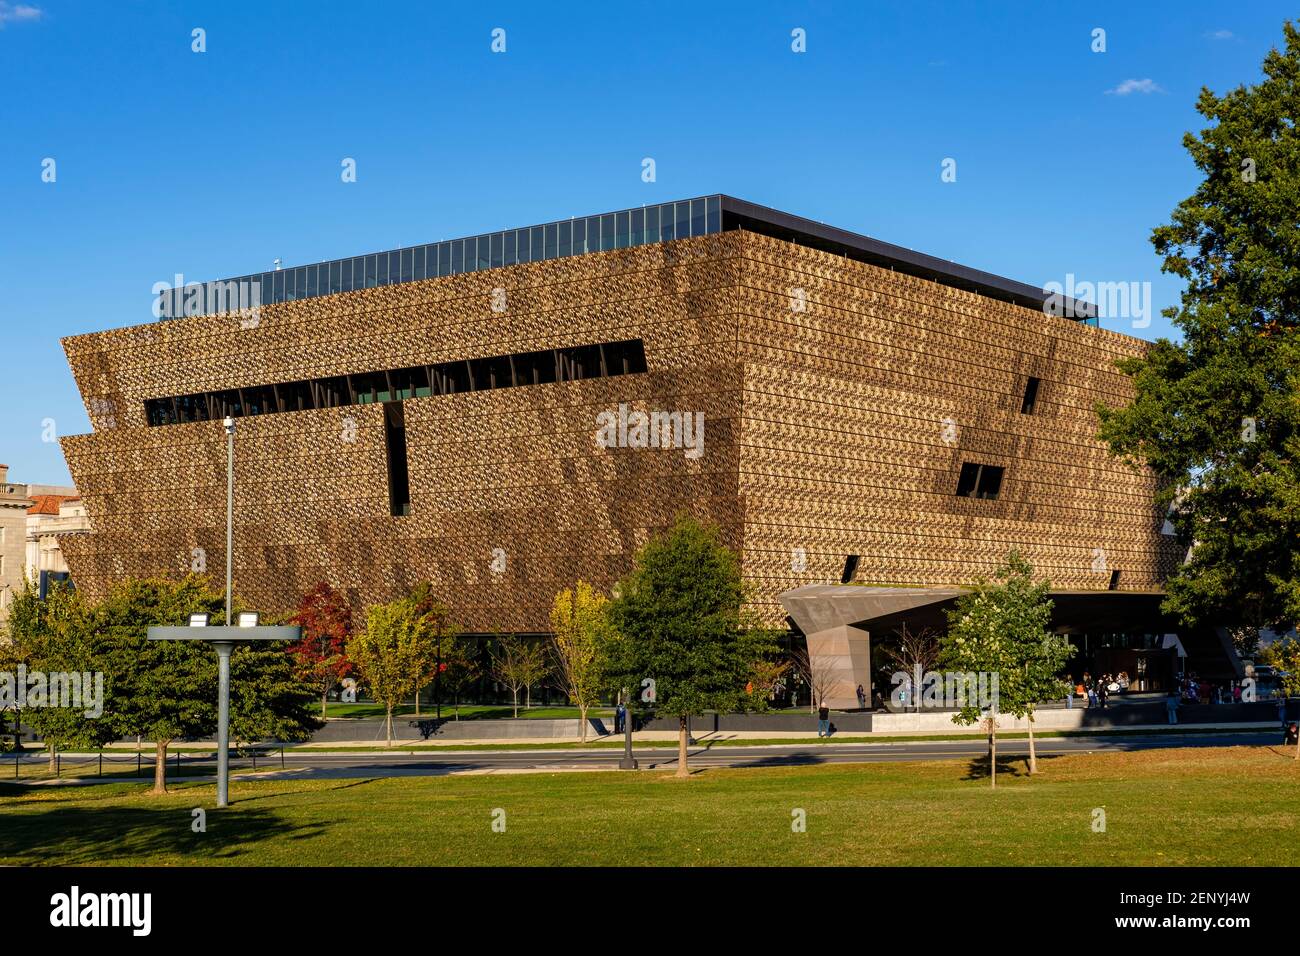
(841, 396)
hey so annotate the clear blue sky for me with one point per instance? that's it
(214, 164)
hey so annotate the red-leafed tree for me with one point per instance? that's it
(326, 621)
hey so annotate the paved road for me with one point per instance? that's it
(323, 765)
(308, 765)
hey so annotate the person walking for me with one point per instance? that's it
(1171, 706)
(862, 698)
(823, 721)
(620, 718)
(1090, 688)
(1102, 691)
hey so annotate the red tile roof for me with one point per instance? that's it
(49, 504)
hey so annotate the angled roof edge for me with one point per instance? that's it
(777, 224)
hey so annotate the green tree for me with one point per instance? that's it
(1000, 628)
(1037, 655)
(678, 622)
(390, 654)
(1214, 415)
(435, 630)
(581, 634)
(160, 690)
(56, 636)
(269, 698)
(460, 667)
(1284, 656)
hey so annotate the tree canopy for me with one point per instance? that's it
(1215, 415)
(679, 622)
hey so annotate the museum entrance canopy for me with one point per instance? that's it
(839, 621)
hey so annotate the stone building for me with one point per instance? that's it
(478, 413)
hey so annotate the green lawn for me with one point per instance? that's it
(1238, 805)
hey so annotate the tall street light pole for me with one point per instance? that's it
(223, 648)
(223, 639)
(628, 762)
(229, 424)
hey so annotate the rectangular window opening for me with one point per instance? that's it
(1031, 397)
(850, 568)
(979, 481)
(399, 478)
(597, 360)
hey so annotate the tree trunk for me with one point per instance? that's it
(682, 769)
(582, 716)
(160, 766)
(324, 698)
(514, 693)
(388, 723)
(54, 758)
(417, 702)
(993, 754)
(1033, 756)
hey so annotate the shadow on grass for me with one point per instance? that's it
(1012, 765)
(1286, 751)
(72, 830)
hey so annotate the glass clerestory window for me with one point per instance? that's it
(569, 237)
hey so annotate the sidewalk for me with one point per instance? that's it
(954, 731)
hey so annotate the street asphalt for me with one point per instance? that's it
(308, 764)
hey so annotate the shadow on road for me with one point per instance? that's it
(785, 760)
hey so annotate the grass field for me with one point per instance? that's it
(1238, 805)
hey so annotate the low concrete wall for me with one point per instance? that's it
(1093, 718)
(711, 723)
(427, 728)
(935, 721)
(430, 728)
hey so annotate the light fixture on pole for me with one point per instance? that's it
(224, 638)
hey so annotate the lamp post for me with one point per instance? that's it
(229, 424)
(628, 762)
(223, 648)
(223, 639)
